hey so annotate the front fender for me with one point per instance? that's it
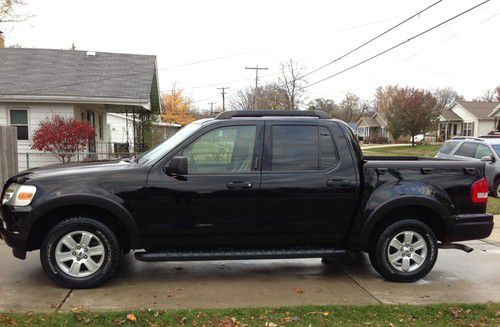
(399, 194)
(96, 201)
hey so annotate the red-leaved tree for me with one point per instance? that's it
(62, 136)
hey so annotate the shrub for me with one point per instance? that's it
(377, 139)
(63, 137)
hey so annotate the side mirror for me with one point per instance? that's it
(488, 159)
(178, 166)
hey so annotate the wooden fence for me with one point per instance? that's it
(8, 153)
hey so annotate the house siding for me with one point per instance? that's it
(485, 126)
(467, 118)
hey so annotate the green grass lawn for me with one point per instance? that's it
(376, 315)
(493, 206)
(404, 150)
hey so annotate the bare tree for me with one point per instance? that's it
(290, 83)
(498, 93)
(326, 105)
(269, 97)
(10, 11)
(446, 97)
(350, 109)
(488, 95)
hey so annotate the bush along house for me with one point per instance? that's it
(37, 84)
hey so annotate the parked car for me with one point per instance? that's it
(486, 148)
(246, 185)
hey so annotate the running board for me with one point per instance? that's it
(456, 246)
(234, 254)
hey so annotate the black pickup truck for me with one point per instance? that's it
(246, 185)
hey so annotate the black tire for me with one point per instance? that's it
(111, 249)
(379, 257)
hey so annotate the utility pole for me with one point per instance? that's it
(223, 96)
(211, 108)
(256, 68)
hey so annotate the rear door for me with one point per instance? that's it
(309, 183)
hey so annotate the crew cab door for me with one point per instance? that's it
(217, 202)
(309, 183)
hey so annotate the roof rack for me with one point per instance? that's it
(273, 113)
(467, 138)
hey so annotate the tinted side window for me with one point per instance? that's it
(327, 153)
(222, 150)
(447, 147)
(483, 150)
(295, 148)
(467, 150)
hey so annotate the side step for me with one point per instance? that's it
(235, 254)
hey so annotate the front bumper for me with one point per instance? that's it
(11, 229)
(471, 227)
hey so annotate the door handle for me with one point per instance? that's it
(239, 185)
(339, 183)
(425, 171)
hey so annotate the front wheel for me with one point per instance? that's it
(80, 252)
(405, 251)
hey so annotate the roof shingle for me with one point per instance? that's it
(66, 73)
(481, 110)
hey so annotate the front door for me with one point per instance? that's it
(217, 202)
(309, 191)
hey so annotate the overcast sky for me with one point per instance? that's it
(227, 35)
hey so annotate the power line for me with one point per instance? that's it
(372, 39)
(223, 96)
(396, 46)
(256, 68)
(213, 59)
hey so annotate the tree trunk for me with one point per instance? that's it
(413, 140)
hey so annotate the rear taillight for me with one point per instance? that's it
(480, 191)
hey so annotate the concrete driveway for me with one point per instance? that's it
(457, 277)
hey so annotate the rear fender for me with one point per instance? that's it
(393, 195)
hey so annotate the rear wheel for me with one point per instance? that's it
(80, 252)
(496, 191)
(405, 251)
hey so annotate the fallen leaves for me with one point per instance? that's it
(131, 317)
(299, 290)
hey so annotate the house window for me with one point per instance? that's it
(468, 129)
(19, 119)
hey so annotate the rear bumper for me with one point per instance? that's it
(471, 227)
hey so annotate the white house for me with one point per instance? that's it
(36, 84)
(469, 118)
(121, 129)
(371, 126)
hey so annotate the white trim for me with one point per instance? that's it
(73, 100)
(20, 108)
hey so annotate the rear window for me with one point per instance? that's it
(447, 147)
(467, 150)
(297, 148)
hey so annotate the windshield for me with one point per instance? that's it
(496, 147)
(162, 149)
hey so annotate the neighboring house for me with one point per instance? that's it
(36, 84)
(372, 126)
(121, 129)
(468, 118)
